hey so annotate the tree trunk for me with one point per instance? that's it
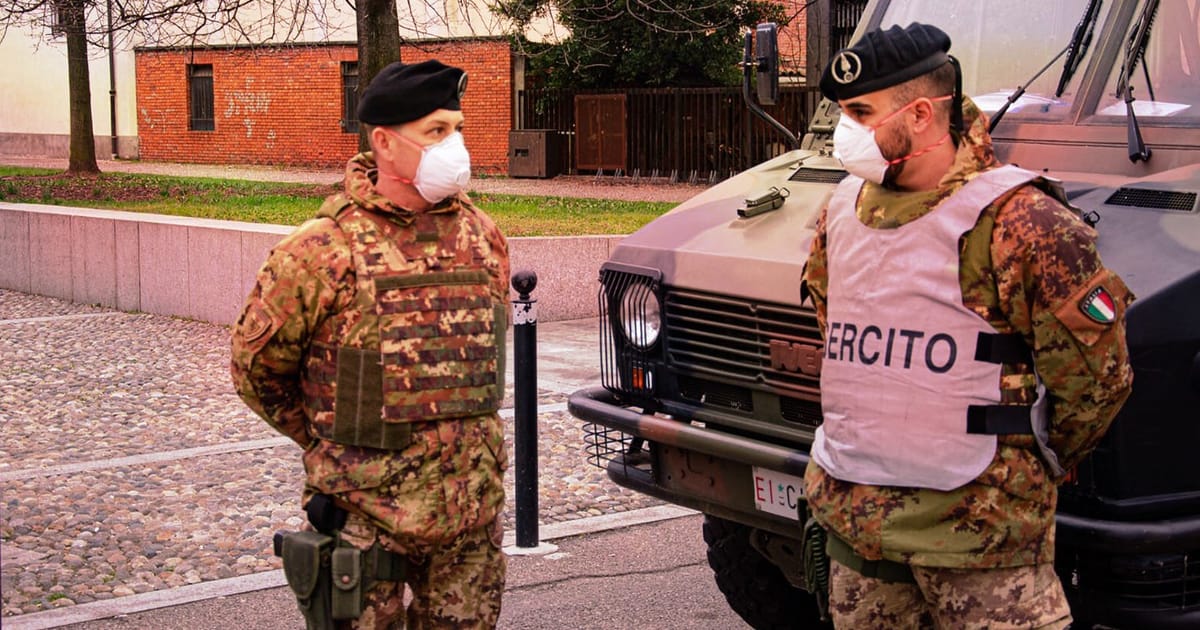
(83, 143)
(378, 46)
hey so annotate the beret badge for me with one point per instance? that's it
(846, 67)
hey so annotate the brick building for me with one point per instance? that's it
(293, 105)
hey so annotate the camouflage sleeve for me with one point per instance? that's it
(503, 270)
(295, 290)
(1054, 289)
(816, 272)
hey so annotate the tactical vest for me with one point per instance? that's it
(910, 379)
(423, 339)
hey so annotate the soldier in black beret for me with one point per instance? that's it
(404, 92)
(870, 79)
(939, 513)
(415, 116)
(374, 339)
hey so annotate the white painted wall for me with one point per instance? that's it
(34, 95)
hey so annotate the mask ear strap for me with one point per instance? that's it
(956, 115)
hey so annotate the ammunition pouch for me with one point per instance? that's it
(348, 591)
(816, 565)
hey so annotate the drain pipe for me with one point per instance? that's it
(112, 83)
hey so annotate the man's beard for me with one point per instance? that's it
(894, 150)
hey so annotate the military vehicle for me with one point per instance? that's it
(710, 360)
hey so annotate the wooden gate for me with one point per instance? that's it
(600, 132)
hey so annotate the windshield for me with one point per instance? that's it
(1166, 87)
(997, 58)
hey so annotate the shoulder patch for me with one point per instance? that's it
(1091, 311)
(257, 322)
(1098, 305)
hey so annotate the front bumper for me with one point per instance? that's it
(684, 464)
(1113, 593)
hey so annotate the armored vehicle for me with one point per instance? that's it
(710, 359)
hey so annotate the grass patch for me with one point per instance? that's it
(292, 204)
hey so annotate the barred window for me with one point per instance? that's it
(350, 96)
(200, 97)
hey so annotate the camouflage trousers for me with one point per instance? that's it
(1018, 597)
(457, 584)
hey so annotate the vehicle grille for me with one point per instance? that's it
(730, 339)
(1145, 582)
(715, 394)
(801, 411)
(818, 176)
(1150, 198)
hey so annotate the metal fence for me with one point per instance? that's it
(686, 134)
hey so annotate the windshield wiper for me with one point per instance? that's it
(1020, 91)
(1134, 50)
(1081, 40)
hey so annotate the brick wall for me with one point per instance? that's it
(793, 42)
(283, 105)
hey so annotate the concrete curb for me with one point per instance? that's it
(141, 602)
(204, 268)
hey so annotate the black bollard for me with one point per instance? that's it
(525, 407)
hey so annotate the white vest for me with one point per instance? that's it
(899, 370)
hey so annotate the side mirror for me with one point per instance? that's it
(766, 53)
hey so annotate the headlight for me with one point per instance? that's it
(641, 318)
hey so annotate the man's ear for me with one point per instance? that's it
(922, 113)
(378, 139)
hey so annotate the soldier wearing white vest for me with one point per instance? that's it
(974, 353)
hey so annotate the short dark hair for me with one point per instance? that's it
(940, 81)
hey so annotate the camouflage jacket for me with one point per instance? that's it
(1028, 266)
(449, 479)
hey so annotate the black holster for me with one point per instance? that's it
(330, 578)
(307, 557)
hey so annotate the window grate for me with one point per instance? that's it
(625, 292)
(1148, 198)
(200, 98)
(350, 96)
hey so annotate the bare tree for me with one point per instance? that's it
(378, 46)
(106, 24)
(82, 155)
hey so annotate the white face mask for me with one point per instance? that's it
(444, 170)
(855, 147)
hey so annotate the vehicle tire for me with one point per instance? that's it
(754, 587)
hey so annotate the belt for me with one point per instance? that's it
(884, 570)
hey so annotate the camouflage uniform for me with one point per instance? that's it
(438, 498)
(1026, 267)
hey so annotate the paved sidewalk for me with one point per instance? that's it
(129, 467)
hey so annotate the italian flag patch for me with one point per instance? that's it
(1098, 306)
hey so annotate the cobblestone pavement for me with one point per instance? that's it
(127, 463)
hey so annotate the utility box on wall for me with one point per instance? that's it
(533, 153)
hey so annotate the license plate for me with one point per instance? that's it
(778, 493)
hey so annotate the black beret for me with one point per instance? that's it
(404, 92)
(882, 59)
